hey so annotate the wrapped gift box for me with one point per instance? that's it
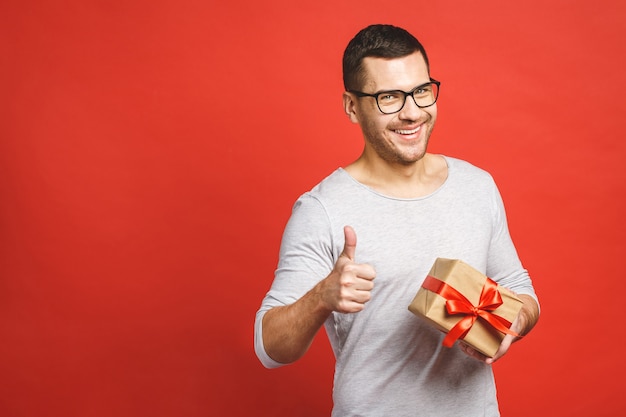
(480, 306)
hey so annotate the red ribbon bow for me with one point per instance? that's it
(456, 303)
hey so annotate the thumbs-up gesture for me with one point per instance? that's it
(349, 285)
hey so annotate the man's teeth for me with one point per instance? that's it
(408, 132)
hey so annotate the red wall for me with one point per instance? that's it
(150, 152)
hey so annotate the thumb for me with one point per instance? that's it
(349, 247)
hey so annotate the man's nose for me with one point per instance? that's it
(410, 110)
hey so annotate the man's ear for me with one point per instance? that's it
(349, 106)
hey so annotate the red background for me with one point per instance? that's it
(151, 151)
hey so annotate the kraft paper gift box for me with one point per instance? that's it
(492, 307)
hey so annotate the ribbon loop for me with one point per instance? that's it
(457, 303)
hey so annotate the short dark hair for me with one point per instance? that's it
(378, 41)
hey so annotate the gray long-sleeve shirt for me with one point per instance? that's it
(388, 361)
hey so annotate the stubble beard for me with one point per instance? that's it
(388, 150)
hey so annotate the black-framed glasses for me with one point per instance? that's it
(392, 101)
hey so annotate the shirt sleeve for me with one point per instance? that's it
(503, 263)
(306, 257)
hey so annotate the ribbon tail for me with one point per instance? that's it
(500, 324)
(459, 330)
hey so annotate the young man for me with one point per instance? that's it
(407, 207)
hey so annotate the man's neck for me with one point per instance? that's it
(415, 180)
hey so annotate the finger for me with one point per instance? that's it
(356, 296)
(365, 271)
(350, 307)
(503, 349)
(349, 247)
(363, 284)
(470, 351)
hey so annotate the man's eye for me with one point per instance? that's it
(423, 90)
(388, 97)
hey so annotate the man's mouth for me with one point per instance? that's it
(408, 132)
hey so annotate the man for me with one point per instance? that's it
(407, 207)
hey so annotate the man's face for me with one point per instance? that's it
(399, 138)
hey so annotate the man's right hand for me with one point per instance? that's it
(288, 331)
(349, 285)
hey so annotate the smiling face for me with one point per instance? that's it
(399, 138)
